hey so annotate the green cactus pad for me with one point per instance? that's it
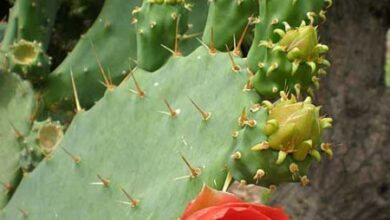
(227, 21)
(114, 41)
(132, 141)
(17, 105)
(158, 25)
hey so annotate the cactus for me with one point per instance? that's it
(285, 54)
(207, 117)
(99, 52)
(158, 25)
(31, 21)
(282, 147)
(222, 30)
(116, 138)
(17, 104)
(28, 59)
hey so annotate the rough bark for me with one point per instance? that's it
(356, 183)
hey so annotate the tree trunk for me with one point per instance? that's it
(356, 183)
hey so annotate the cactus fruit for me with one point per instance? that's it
(229, 20)
(29, 60)
(17, 104)
(274, 58)
(158, 24)
(294, 63)
(282, 148)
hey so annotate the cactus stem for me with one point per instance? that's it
(261, 146)
(242, 118)
(172, 111)
(236, 155)
(237, 48)
(23, 212)
(205, 115)
(259, 174)
(139, 91)
(227, 182)
(134, 202)
(194, 171)
(76, 159)
(104, 182)
(236, 68)
(76, 97)
(107, 80)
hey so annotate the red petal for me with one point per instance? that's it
(234, 211)
(208, 197)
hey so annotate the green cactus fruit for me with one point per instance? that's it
(16, 108)
(29, 60)
(159, 24)
(228, 23)
(139, 145)
(40, 142)
(276, 15)
(293, 64)
(282, 148)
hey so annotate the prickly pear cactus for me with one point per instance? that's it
(184, 146)
(158, 25)
(17, 104)
(222, 30)
(151, 142)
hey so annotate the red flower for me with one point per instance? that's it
(215, 205)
